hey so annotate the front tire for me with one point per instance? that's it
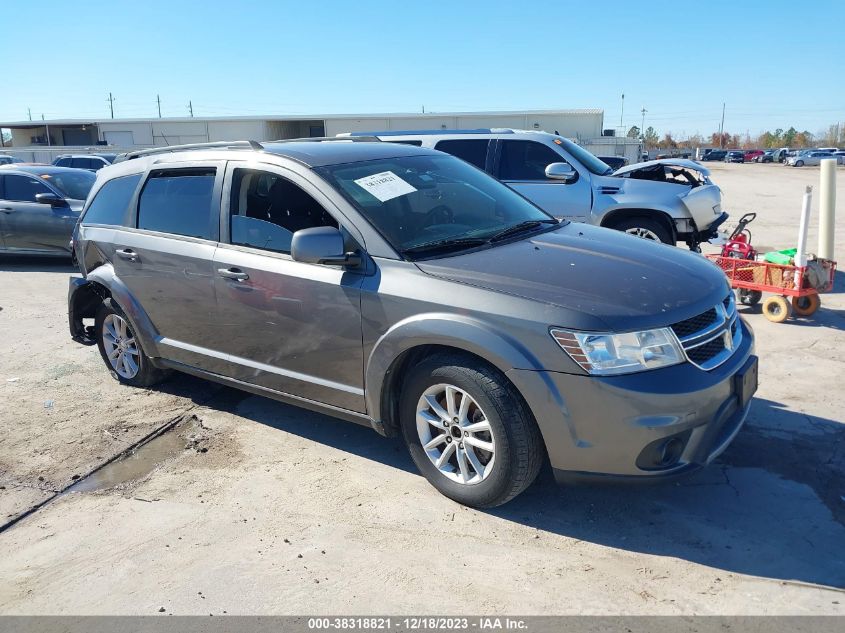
(469, 431)
(645, 228)
(121, 350)
(799, 163)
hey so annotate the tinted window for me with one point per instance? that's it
(417, 200)
(73, 184)
(526, 160)
(472, 151)
(414, 143)
(179, 202)
(110, 203)
(63, 162)
(23, 188)
(266, 210)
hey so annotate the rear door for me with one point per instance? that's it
(521, 164)
(165, 258)
(286, 325)
(31, 226)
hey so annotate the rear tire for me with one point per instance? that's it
(805, 306)
(645, 228)
(121, 350)
(453, 405)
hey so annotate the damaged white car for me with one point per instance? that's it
(670, 200)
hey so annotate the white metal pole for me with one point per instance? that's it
(827, 208)
(801, 253)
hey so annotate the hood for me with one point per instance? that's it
(625, 282)
(677, 162)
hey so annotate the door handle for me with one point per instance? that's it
(127, 253)
(233, 273)
(7, 210)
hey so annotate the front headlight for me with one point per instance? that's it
(609, 354)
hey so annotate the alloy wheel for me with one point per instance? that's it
(646, 234)
(455, 434)
(120, 346)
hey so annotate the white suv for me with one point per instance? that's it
(666, 200)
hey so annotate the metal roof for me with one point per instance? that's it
(300, 117)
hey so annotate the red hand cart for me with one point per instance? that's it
(752, 278)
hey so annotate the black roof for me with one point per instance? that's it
(39, 170)
(320, 154)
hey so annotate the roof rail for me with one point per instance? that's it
(255, 145)
(427, 132)
(360, 138)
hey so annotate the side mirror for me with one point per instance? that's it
(561, 171)
(321, 245)
(50, 198)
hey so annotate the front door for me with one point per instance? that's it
(285, 325)
(27, 225)
(165, 260)
(522, 166)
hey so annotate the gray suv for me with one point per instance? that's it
(403, 289)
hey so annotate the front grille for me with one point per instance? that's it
(711, 337)
(697, 323)
(705, 352)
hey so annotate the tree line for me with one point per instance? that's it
(834, 136)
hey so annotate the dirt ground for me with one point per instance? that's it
(249, 506)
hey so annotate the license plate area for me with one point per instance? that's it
(746, 381)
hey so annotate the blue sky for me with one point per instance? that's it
(770, 61)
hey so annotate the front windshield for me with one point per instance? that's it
(74, 184)
(592, 163)
(414, 201)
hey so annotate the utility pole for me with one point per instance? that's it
(29, 113)
(158, 101)
(642, 125)
(622, 114)
(111, 104)
(191, 108)
(722, 128)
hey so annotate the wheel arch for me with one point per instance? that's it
(416, 338)
(615, 216)
(104, 280)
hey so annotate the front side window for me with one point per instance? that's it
(473, 151)
(110, 204)
(72, 184)
(266, 210)
(526, 160)
(416, 201)
(23, 188)
(178, 201)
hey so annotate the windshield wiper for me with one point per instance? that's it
(527, 225)
(445, 244)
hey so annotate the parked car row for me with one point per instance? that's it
(794, 158)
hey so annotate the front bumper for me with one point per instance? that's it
(609, 427)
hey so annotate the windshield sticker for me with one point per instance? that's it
(385, 186)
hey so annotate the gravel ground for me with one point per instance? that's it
(250, 506)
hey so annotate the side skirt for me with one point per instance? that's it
(297, 401)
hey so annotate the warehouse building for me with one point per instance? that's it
(41, 141)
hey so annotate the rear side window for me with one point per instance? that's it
(110, 204)
(473, 151)
(526, 160)
(179, 202)
(82, 163)
(63, 162)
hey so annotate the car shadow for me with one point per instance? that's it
(36, 264)
(771, 506)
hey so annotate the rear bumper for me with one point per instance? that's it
(613, 427)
